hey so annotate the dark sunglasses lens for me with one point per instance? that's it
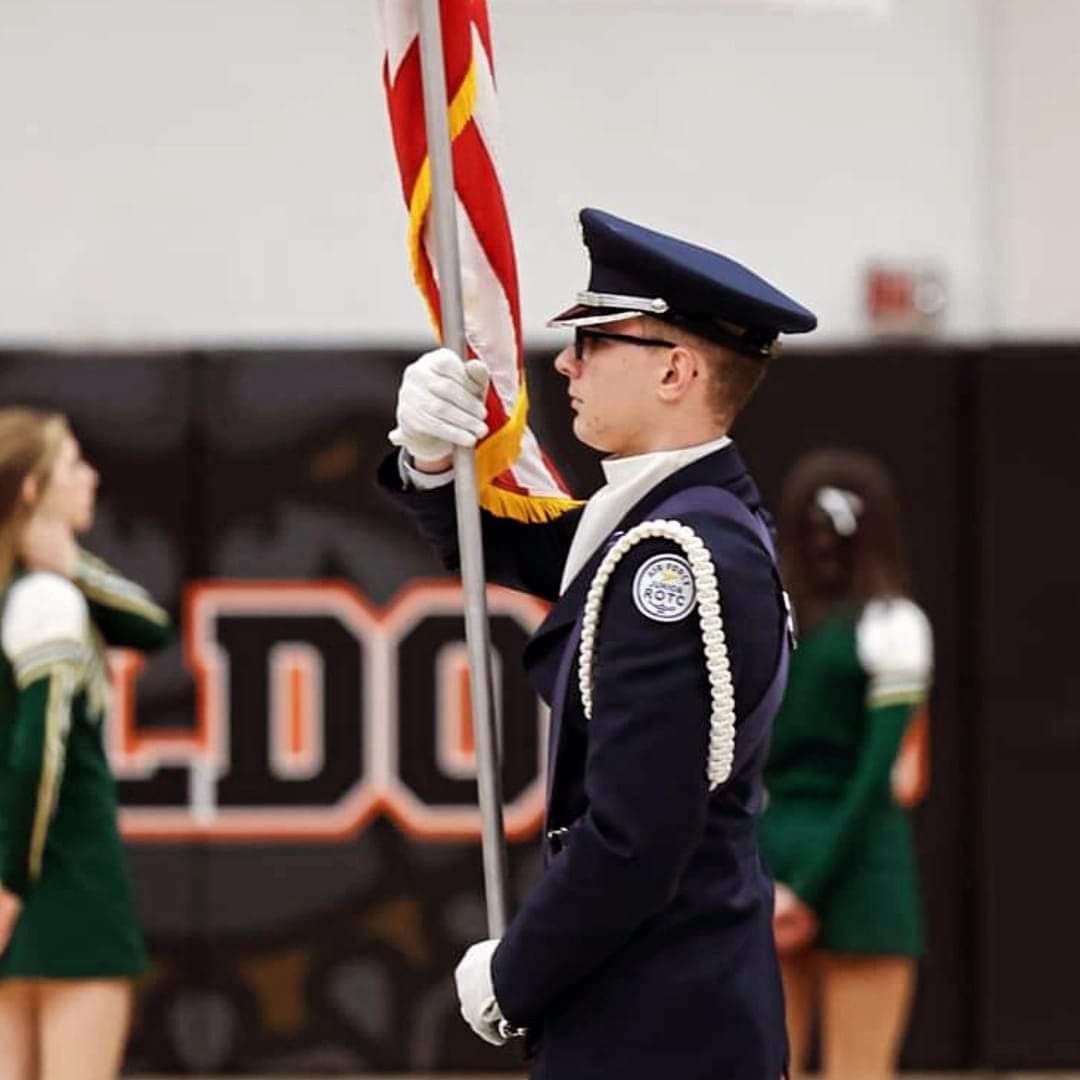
(579, 344)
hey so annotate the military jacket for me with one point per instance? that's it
(646, 948)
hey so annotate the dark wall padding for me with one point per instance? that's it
(336, 956)
(1027, 757)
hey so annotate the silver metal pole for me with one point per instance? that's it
(477, 636)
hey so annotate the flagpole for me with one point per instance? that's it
(466, 496)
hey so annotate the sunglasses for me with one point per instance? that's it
(583, 334)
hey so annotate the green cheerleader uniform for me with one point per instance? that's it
(831, 830)
(60, 846)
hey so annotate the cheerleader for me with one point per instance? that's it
(836, 833)
(70, 943)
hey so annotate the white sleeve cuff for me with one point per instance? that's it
(412, 477)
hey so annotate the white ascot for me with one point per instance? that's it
(629, 479)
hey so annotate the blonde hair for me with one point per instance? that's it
(733, 376)
(30, 440)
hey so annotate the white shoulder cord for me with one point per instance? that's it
(722, 720)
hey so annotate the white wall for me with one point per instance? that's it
(186, 171)
(1035, 95)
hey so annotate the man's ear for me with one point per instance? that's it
(31, 489)
(680, 373)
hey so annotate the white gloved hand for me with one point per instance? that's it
(476, 993)
(440, 405)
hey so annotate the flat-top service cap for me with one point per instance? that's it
(636, 271)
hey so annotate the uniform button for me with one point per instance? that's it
(555, 838)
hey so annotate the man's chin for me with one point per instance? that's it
(582, 435)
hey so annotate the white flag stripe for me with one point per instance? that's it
(529, 469)
(486, 110)
(488, 320)
(401, 26)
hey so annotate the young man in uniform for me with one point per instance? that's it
(646, 949)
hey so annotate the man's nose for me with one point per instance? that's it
(566, 363)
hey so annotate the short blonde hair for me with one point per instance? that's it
(30, 440)
(733, 376)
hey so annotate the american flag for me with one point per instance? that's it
(514, 477)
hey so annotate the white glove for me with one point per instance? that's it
(440, 405)
(476, 993)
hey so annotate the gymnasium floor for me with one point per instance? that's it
(977, 1075)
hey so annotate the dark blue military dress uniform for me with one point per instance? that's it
(646, 952)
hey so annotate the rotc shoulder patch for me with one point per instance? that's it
(664, 588)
